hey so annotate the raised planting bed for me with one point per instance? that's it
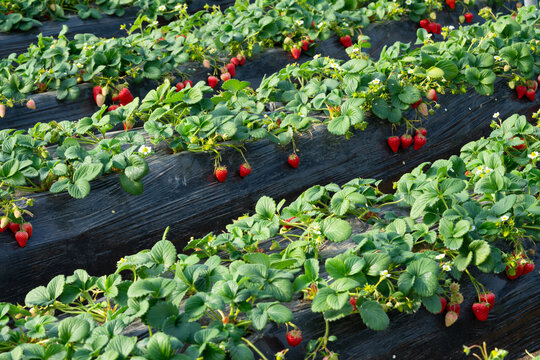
(49, 108)
(20, 117)
(352, 269)
(512, 324)
(108, 26)
(182, 192)
(261, 65)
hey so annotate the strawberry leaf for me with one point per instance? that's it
(373, 315)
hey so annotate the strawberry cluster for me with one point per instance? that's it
(518, 265)
(431, 27)
(221, 171)
(528, 90)
(124, 97)
(484, 305)
(296, 49)
(22, 232)
(406, 140)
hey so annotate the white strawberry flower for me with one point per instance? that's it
(79, 65)
(154, 23)
(446, 267)
(162, 8)
(428, 36)
(317, 56)
(375, 81)
(410, 71)
(496, 115)
(533, 155)
(504, 218)
(451, 27)
(497, 58)
(439, 257)
(299, 22)
(145, 150)
(178, 7)
(408, 2)
(488, 170)
(385, 273)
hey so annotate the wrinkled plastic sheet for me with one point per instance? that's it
(182, 192)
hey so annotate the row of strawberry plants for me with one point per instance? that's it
(209, 303)
(153, 52)
(187, 121)
(24, 15)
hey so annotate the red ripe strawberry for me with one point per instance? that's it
(188, 82)
(468, 17)
(393, 142)
(294, 337)
(235, 61)
(305, 45)
(115, 98)
(346, 41)
(439, 29)
(406, 141)
(245, 170)
(443, 304)
(481, 310)
(295, 52)
(432, 94)
(521, 146)
(538, 79)
(212, 81)
(31, 104)
(451, 4)
(531, 94)
(419, 141)
(125, 96)
(221, 173)
(113, 107)
(22, 238)
(527, 268)
(289, 226)
(424, 23)
(225, 76)
(450, 318)
(293, 160)
(432, 28)
(415, 105)
(532, 84)
(422, 131)
(453, 307)
(488, 297)
(14, 227)
(352, 301)
(28, 228)
(232, 69)
(179, 86)
(521, 90)
(97, 90)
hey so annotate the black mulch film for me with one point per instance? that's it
(182, 192)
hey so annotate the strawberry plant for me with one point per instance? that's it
(210, 303)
